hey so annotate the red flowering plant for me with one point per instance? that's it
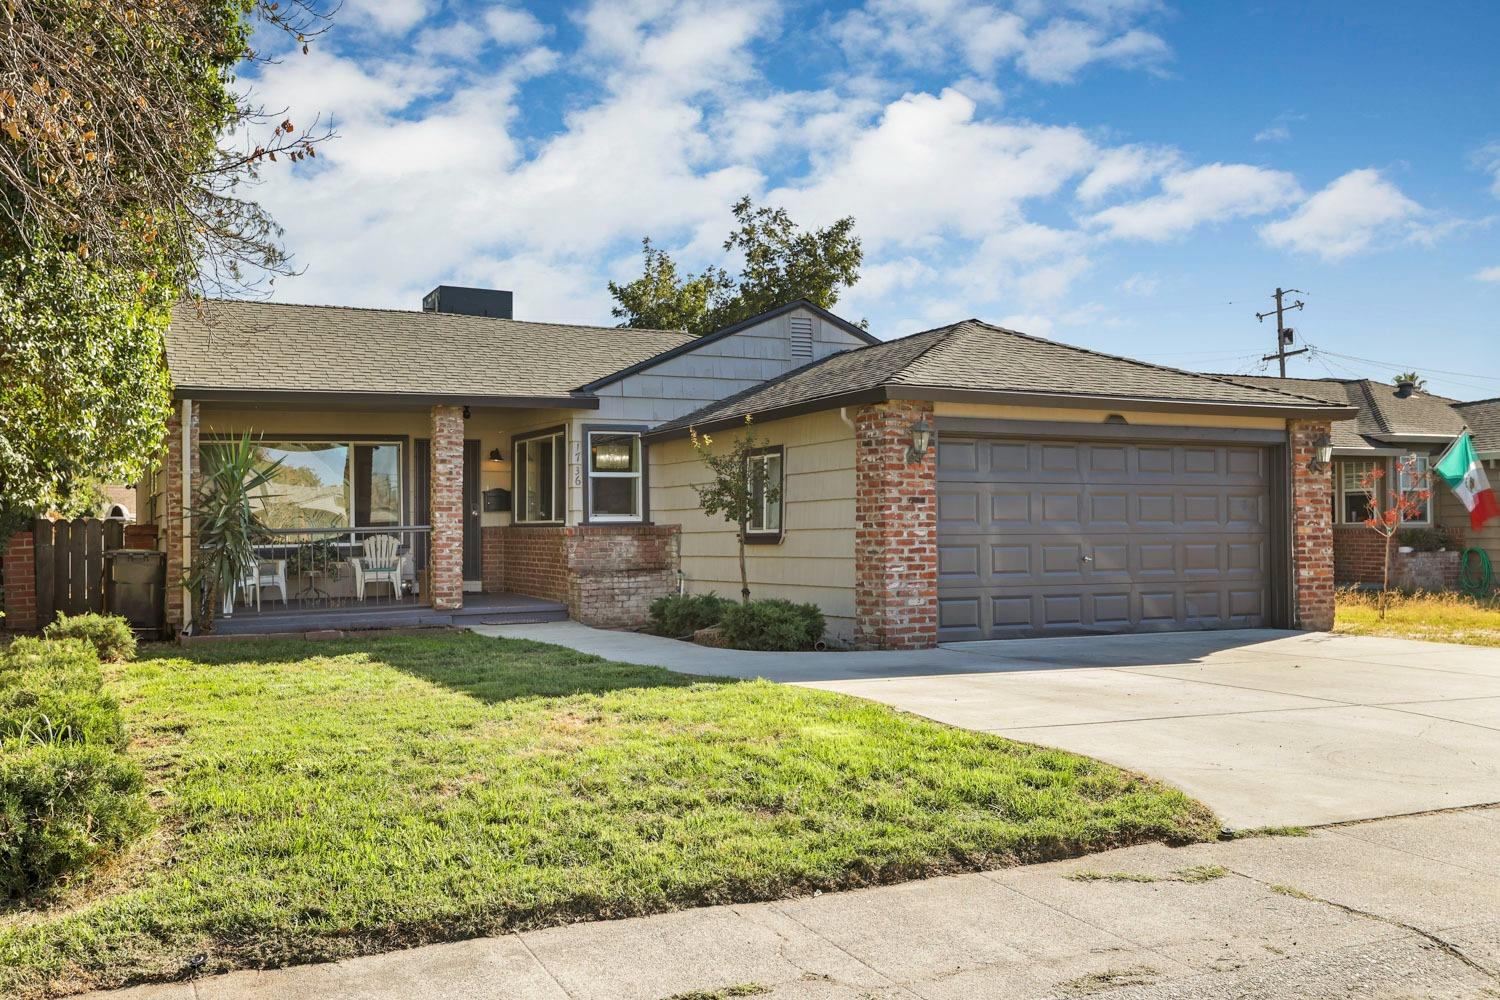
(1391, 509)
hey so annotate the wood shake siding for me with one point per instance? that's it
(815, 559)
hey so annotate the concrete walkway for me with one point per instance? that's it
(1269, 728)
(1399, 908)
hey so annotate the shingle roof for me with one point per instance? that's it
(979, 357)
(1382, 413)
(229, 347)
(1483, 418)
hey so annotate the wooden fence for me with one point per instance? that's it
(70, 564)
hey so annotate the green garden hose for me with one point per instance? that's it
(1472, 582)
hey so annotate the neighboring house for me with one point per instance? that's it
(964, 482)
(1394, 422)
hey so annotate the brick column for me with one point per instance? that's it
(895, 533)
(176, 597)
(446, 559)
(1312, 528)
(20, 581)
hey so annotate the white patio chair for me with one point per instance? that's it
(379, 564)
(265, 573)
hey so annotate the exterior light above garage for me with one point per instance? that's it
(921, 440)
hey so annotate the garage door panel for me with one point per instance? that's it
(1047, 537)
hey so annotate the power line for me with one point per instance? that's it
(1283, 332)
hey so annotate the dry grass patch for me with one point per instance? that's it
(1446, 617)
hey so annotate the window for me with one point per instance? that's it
(1414, 476)
(766, 494)
(614, 476)
(1353, 498)
(541, 465)
(329, 484)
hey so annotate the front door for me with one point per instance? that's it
(472, 550)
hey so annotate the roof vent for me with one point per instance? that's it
(491, 302)
(1405, 387)
(802, 336)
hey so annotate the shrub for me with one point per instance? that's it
(772, 625)
(111, 635)
(63, 807)
(680, 615)
(53, 692)
(1433, 539)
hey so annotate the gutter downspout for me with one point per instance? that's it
(844, 416)
(187, 517)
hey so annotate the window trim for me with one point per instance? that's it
(643, 478)
(406, 456)
(1425, 521)
(1339, 491)
(518, 495)
(765, 537)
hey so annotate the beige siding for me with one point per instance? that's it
(815, 558)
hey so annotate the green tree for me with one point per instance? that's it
(737, 484)
(780, 263)
(122, 156)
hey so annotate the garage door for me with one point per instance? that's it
(1074, 537)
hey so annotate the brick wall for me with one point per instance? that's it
(172, 537)
(140, 536)
(1424, 570)
(445, 561)
(492, 559)
(535, 562)
(1312, 528)
(1358, 555)
(20, 582)
(895, 536)
(607, 574)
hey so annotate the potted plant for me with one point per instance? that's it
(226, 528)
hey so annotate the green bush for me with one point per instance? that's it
(681, 615)
(772, 625)
(53, 692)
(110, 634)
(1434, 539)
(63, 807)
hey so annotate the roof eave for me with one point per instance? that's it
(348, 399)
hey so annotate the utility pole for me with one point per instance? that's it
(1284, 333)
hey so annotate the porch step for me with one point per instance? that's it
(509, 616)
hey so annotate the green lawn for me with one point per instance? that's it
(324, 799)
(1434, 617)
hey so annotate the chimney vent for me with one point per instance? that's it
(1405, 387)
(491, 302)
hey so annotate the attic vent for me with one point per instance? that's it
(802, 336)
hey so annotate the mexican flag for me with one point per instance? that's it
(1461, 469)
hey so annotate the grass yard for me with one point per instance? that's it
(1447, 617)
(319, 800)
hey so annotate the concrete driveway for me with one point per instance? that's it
(1269, 728)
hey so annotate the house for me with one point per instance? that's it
(1392, 423)
(964, 482)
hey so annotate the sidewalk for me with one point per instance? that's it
(1405, 907)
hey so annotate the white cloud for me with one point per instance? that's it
(1273, 133)
(392, 17)
(1125, 168)
(1487, 159)
(1214, 193)
(1489, 274)
(1140, 284)
(1057, 52)
(513, 28)
(1345, 217)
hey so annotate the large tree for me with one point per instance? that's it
(124, 141)
(781, 262)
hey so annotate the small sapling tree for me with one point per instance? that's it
(739, 485)
(1390, 510)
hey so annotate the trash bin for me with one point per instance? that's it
(134, 587)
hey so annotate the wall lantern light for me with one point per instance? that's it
(1322, 454)
(495, 455)
(921, 440)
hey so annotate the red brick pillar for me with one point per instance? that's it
(20, 582)
(446, 561)
(895, 530)
(1312, 527)
(176, 598)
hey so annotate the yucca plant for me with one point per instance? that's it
(226, 528)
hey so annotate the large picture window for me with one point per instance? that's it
(329, 484)
(615, 476)
(767, 491)
(541, 465)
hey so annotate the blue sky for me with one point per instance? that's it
(1127, 175)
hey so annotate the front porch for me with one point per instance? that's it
(299, 615)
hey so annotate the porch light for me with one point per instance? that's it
(921, 440)
(495, 455)
(1322, 455)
